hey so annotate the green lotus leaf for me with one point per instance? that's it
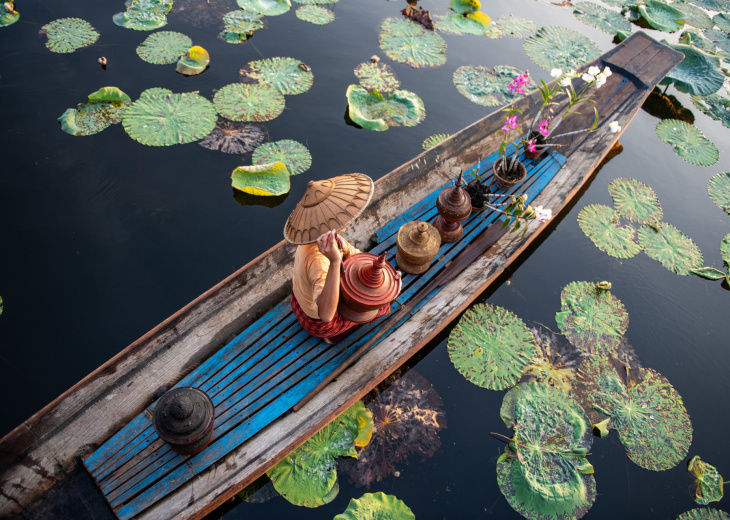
(688, 141)
(555, 362)
(670, 247)
(375, 111)
(708, 481)
(433, 140)
(372, 506)
(619, 3)
(229, 137)
(240, 102)
(647, 413)
(315, 14)
(8, 16)
(316, 2)
(706, 513)
(288, 75)
(69, 34)
(694, 16)
(560, 48)
(717, 107)
(240, 25)
(490, 346)
(405, 41)
(443, 23)
(109, 94)
(472, 23)
(378, 76)
(194, 62)
(722, 21)
(713, 5)
(698, 73)
(544, 473)
(725, 250)
(265, 7)
(601, 224)
(307, 476)
(661, 16)
(91, 118)
(719, 38)
(161, 119)
(294, 155)
(592, 319)
(607, 21)
(516, 26)
(144, 15)
(465, 6)
(269, 179)
(635, 201)
(719, 190)
(701, 43)
(484, 87)
(164, 47)
(156, 91)
(710, 273)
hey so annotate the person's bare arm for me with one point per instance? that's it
(330, 296)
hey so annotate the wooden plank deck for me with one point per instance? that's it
(267, 369)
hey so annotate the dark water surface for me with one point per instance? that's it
(102, 238)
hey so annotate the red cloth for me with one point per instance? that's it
(324, 329)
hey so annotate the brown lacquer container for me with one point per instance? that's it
(418, 243)
(454, 206)
(184, 420)
(367, 283)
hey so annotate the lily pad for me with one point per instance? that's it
(265, 7)
(661, 16)
(8, 14)
(164, 47)
(315, 14)
(240, 25)
(484, 87)
(725, 249)
(194, 62)
(670, 247)
(465, 6)
(701, 43)
(694, 16)
(375, 111)
(378, 76)
(69, 34)
(472, 23)
(708, 481)
(607, 21)
(698, 73)
(229, 137)
(592, 319)
(601, 224)
(544, 473)
(269, 179)
(719, 190)
(163, 119)
(560, 48)
(722, 20)
(105, 107)
(490, 346)
(316, 2)
(688, 141)
(371, 506)
(407, 42)
(717, 107)
(555, 362)
(307, 476)
(240, 102)
(635, 200)
(294, 155)
(287, 75)
(705, 513)
(144, 15)
(516, 26)
(433, 140)
(719, 38)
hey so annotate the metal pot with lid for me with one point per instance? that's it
(184, 419)
(418, 243)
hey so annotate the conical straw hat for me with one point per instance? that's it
(326, 205)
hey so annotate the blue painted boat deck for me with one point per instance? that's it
(267, 369)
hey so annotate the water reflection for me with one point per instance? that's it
(245, 199)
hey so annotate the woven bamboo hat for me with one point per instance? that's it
(328, 205)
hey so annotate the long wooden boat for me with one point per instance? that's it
(100, 429)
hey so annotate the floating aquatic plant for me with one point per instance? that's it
(407, 417)
(490, 346)
(445, 23)
(670, 247)
(708, 481)
(316, 2)
(202, 13)
(717, 107)
(484, 87)
(265, 7)
(240, 102)
(161, 118)
(560, 48)
(555, 362)
(688, 141)
(433, 140)
(376, 75)
(307, 476)
(405, 41)
(8, 14)
(465, 6)
(294, 155)
(105, 107)
(229, 137)
(69, 34)
(372, 506)
(698, 73)
(240, 25)
(635, 200)
(722, 21)
(288, 75)
(694, 16)
(194, 61)
(144, 15)
(516, 26)
(472, 23)
(266, 180)
(719, 38)
(701, 43)
(544, 473)
(164, 47)
(591, 318)
(601, 224)
(725, 249)
(315, 14)
(658, 15)
(376, 111)
(718, 188)
(706, 513)
(607, 21)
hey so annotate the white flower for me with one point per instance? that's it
(564, 82)
(556, 73)
(614, 127)
(543, 214)
(588, 78)
(593, 70)
(600, 80)
(607, 72)
(572, 73)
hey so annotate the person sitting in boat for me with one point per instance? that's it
(325, 210)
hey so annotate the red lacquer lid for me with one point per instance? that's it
(370, 280)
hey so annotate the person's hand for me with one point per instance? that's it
(327, 245)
